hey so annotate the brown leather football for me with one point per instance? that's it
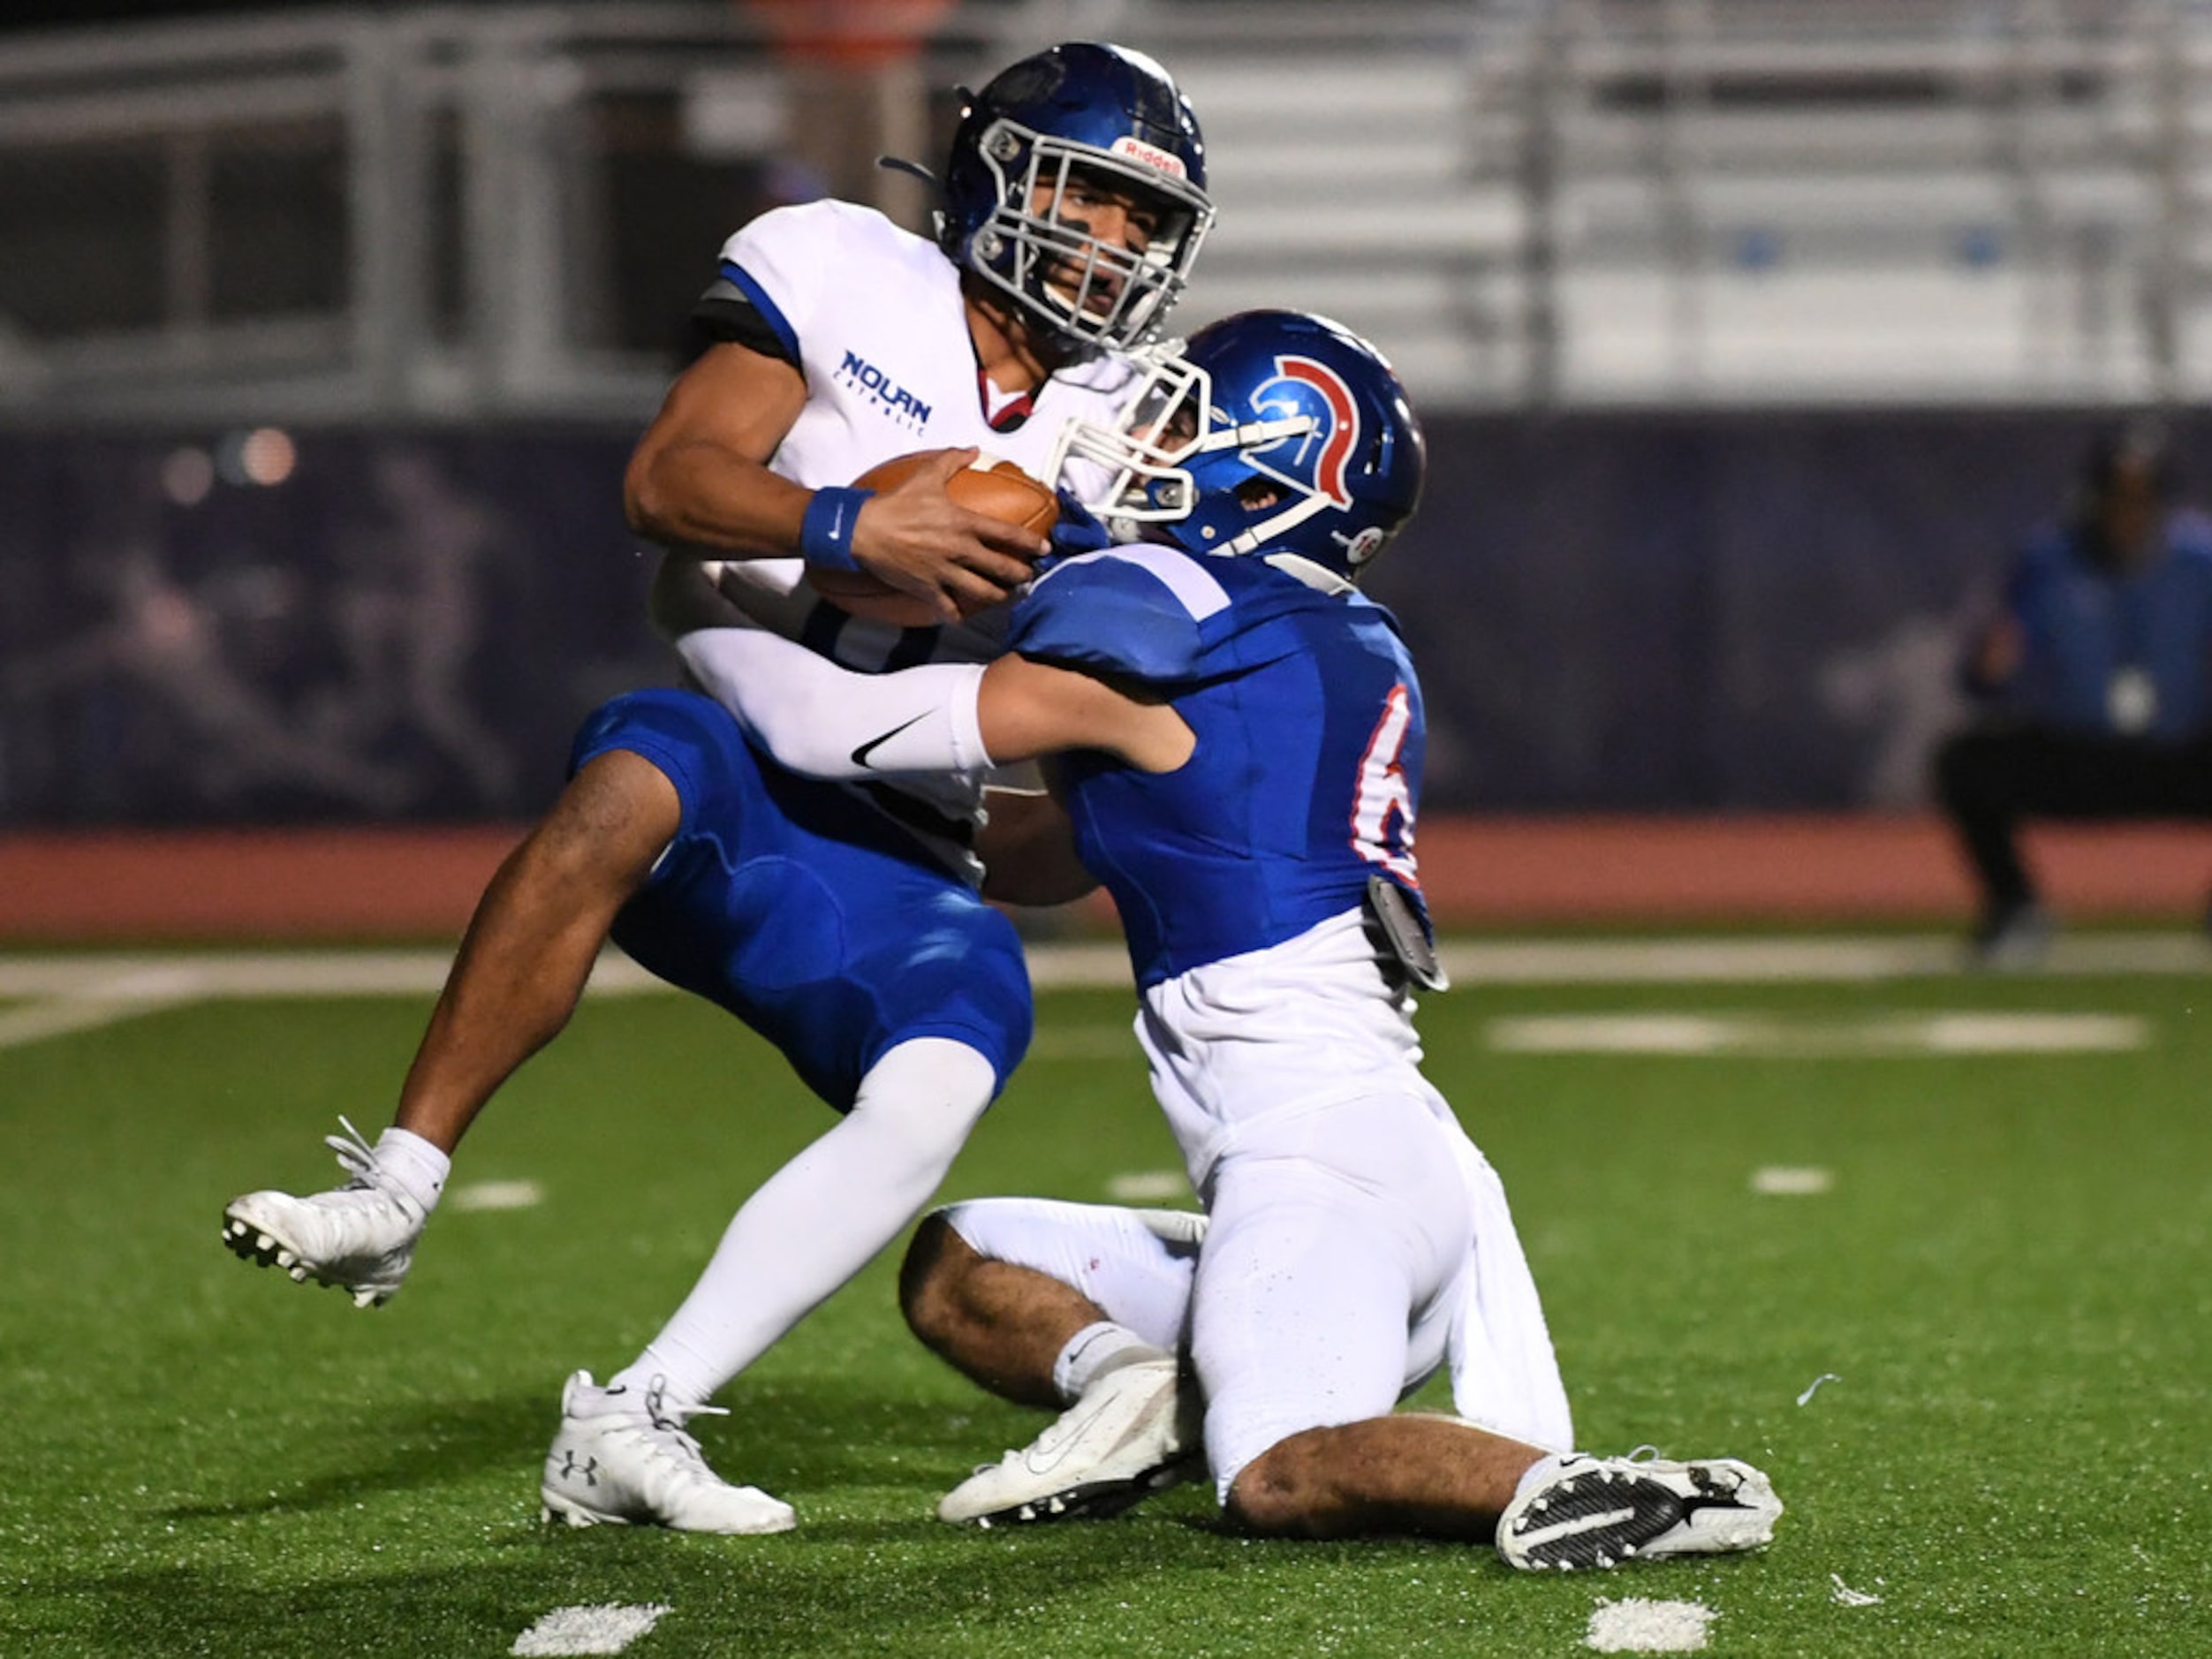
(995, 488)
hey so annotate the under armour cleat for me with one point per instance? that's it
(1602, 1511)
(359, 1238)
(625, 1461)
(1135, 1432)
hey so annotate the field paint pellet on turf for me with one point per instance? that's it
(605, 1628)
(1633, 1625)
(1814, 1387)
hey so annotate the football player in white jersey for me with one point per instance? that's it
(1238, 741)
(841, 921)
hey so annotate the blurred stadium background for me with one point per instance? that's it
(1749, 333)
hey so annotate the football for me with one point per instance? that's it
(996, 487)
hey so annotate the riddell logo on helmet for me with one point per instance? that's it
(1159, 160)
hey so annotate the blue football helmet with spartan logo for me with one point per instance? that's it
(1273, 431)
(1081, 109)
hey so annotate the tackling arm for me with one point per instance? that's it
(818, 718)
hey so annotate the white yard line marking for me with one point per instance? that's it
(1633, 1625)
(102, 987)
(35, 1022)
(496, 1195)
(1148, 1185)
(1878, 1037)
(1781, 1180)
(253, 973)
(608, 1628)
(1803, 960)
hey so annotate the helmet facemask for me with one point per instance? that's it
(1035, 245)
(1176, 459)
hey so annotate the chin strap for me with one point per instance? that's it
(913, 169)
(1314, 575)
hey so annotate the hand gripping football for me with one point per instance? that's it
(989, 485)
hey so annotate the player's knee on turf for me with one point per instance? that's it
(1282, 1493)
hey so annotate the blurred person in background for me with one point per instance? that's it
(2094, 681)
(841, 922)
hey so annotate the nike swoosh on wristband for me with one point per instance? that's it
(860, 754)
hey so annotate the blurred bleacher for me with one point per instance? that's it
(461, 212)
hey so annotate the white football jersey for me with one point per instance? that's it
(874, 317)
(881, 335)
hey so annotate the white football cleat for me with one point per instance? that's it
(1602, 1511)
(1135, 1431)
(359, 1238)
(624, 1461)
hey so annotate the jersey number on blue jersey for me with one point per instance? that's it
(1382, 811)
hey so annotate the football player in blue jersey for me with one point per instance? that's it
(1237, 739)
(841, 921)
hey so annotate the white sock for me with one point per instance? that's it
(1094, 1351)
(822, 1218)
(414, 1165)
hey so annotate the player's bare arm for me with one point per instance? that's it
(1027, 709)
(698, 483)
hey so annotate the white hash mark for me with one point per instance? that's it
(1848, 1597)
(1633, 1625)
(607, 1628)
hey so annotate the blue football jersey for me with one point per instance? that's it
(1306, 774)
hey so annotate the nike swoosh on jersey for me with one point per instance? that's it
(860, 754)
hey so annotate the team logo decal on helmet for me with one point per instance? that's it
(1299, 384)
(1272, 432)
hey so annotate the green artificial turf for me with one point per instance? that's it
(2007, 1281)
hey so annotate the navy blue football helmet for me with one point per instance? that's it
(1272, 432)
(1095, 116)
